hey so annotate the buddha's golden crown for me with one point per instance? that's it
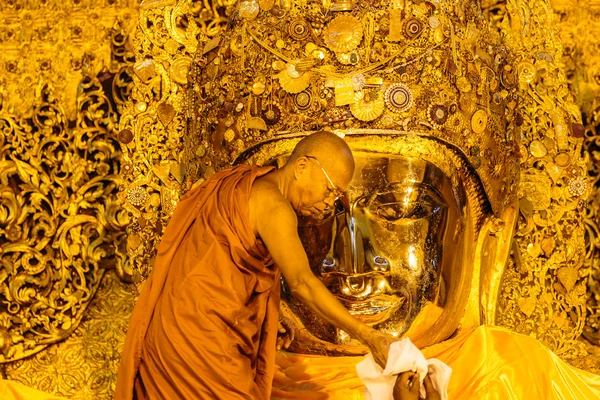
(426, 68)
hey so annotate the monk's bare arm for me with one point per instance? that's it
(278, 228)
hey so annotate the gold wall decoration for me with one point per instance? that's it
(544, 287)
(152, 128)
(84, 366)
(63, 79)
(73, 82)
(579, 26)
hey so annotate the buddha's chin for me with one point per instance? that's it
(374, 309)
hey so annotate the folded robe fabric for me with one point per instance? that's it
(403, 356)
(487, 363)
(205, 324)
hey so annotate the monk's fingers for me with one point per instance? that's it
(289, 338)
(405, 378)
(428, 384)
(280, 327)
(291, 332)
(431, 393)
(416, 384)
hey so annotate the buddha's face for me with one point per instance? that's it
(389, 247)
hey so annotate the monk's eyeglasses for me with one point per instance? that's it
(335, 191)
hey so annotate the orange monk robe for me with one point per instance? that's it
(205, 325)
(488, 363)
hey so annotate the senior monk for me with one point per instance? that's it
(206, 323)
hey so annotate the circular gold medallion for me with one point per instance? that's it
(437, 115)
(258, 88)
(562, 159)
(303, 100)
(367, 108)
(479, 121)
(298, 29)
(398, 98)
(413, 28)
(343, 34)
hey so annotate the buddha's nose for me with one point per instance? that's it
(371, 281)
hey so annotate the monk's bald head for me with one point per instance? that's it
(333, 153)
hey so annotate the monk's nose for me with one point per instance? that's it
(329, 201)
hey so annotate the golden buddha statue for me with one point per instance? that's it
(425, 96)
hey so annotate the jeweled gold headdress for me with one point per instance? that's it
(420, 68)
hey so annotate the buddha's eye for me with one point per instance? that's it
(401, 210)
(409, 203)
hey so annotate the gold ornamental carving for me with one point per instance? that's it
(84, 365)
(63, 82)
(112, 107)
(579, 27)
(432, 89)
(543, 291)
(152, 127)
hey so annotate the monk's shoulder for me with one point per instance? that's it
(268, 205)
(266, 196)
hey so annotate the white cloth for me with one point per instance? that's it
(403, 356)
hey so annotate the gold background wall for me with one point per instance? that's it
(92, 122)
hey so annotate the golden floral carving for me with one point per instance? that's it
(60, 222)
(543, 291)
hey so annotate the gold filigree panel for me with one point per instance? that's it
(64, 81)
(155, 171)
(544, 287)
(579, 26)
(84, 366)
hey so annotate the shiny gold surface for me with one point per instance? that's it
(154, 123)
(447, 86)
(579, 26)
(70, 87)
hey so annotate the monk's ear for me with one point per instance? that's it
(300, 167)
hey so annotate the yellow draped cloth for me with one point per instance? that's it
(487, 363)
(10, 390)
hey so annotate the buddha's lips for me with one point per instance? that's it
(374, 309)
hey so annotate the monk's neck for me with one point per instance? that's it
(280, 178)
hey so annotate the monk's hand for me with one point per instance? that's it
(285, 333)
(379, 344)
(407, 386)
(430, 392)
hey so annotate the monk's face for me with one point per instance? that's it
(319, 186)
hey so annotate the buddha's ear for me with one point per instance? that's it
(496, 250)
